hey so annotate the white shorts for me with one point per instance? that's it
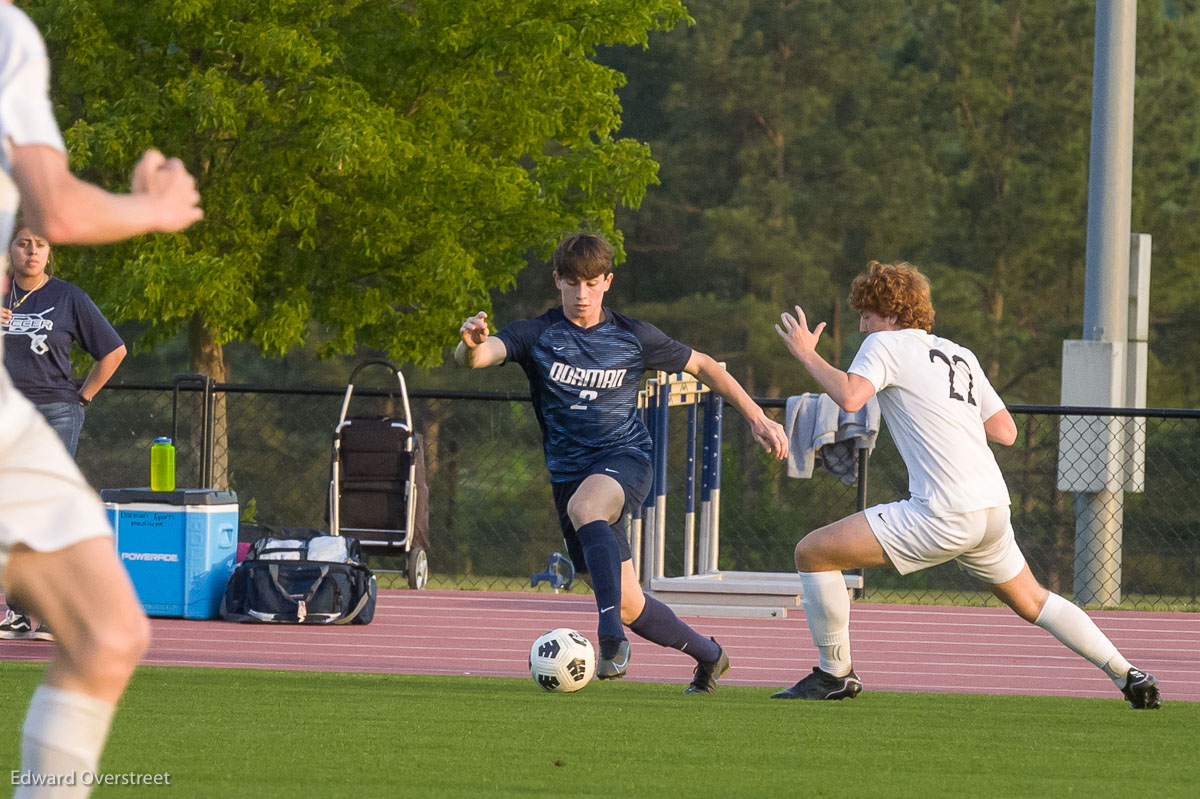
(45, 502)
(981, 541)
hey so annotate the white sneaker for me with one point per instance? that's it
(16, 627)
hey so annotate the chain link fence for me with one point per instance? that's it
(492, 519)
(1152, 560)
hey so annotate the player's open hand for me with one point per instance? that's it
(474, 331)
(801, 341)
(177, 202)
(771, 436)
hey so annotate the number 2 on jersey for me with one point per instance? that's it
(950, 364)
(586, 395)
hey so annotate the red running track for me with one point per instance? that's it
(896, 647)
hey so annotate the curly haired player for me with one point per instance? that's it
(942, 412)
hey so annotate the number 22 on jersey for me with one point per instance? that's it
(952, 363)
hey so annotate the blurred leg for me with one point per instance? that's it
(102, 633)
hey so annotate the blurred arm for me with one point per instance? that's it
(67, 210)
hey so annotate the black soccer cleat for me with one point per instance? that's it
(1141, 689)
(614, 658)
(704, 678)
(823, 685)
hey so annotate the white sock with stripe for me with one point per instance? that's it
(1067, 622)
(827, 611)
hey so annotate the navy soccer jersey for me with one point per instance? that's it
(584, 383)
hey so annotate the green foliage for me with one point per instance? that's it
(1166, 168)
(1008, 115)
(800, 140)
(787, 150)
(374, 166)
(373, 170)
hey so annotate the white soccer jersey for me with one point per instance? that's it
(45, 503)
(26, 116)
(935, 397)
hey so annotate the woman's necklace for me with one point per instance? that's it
(14, 304)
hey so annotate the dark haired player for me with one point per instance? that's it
(585, 363)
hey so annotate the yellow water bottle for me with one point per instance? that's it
(162, 465)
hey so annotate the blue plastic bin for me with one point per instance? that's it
(178, 546)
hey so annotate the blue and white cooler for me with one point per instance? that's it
(178, 546)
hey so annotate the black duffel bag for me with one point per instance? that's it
(279, 583)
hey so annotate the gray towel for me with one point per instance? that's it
(821, 432)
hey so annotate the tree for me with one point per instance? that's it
(373, 166)
(1165, 203)
(369, 169)
(1005, 123)
(1008, 245)
(799, 140)
(781, 128)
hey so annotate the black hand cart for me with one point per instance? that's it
(377, 488)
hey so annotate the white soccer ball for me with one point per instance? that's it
(562, 661)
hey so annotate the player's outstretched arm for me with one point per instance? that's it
(67, 210)
(850, 392)
(477, 348)
(768, 433)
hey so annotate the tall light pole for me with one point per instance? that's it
(1094, 369)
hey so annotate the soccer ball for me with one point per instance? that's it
(562, 661)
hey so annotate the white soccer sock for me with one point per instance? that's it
(827, 610)
(64, 734)
(1068, 623)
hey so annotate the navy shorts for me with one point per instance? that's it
(636, 477)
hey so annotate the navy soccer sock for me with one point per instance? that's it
(658, 623)
(603, 559)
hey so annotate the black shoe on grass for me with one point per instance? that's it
(614, 658)
(704, 678)
(823, 685)
(1141, 689)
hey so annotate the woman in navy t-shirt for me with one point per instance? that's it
(42, 318)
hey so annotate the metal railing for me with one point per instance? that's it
(492, 518)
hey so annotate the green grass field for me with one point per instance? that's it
(260, 734)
